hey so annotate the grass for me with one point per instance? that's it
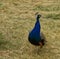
(47, 8)
(53, 16)
(17, 18)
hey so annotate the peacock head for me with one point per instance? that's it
(38, 15)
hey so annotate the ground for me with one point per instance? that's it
(17, 18)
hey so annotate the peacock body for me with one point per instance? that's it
(35, 34)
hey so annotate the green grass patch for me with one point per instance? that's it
(47, 8)
(53, 16)
(2, 41)
(5, 44)
(1, 4)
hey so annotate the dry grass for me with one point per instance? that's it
(17, 18)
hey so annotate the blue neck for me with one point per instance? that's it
(37, 22)
(37, 19)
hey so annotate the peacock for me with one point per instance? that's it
(35, 36)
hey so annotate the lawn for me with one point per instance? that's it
(17, 18)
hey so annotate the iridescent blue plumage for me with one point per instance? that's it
(34, 35)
